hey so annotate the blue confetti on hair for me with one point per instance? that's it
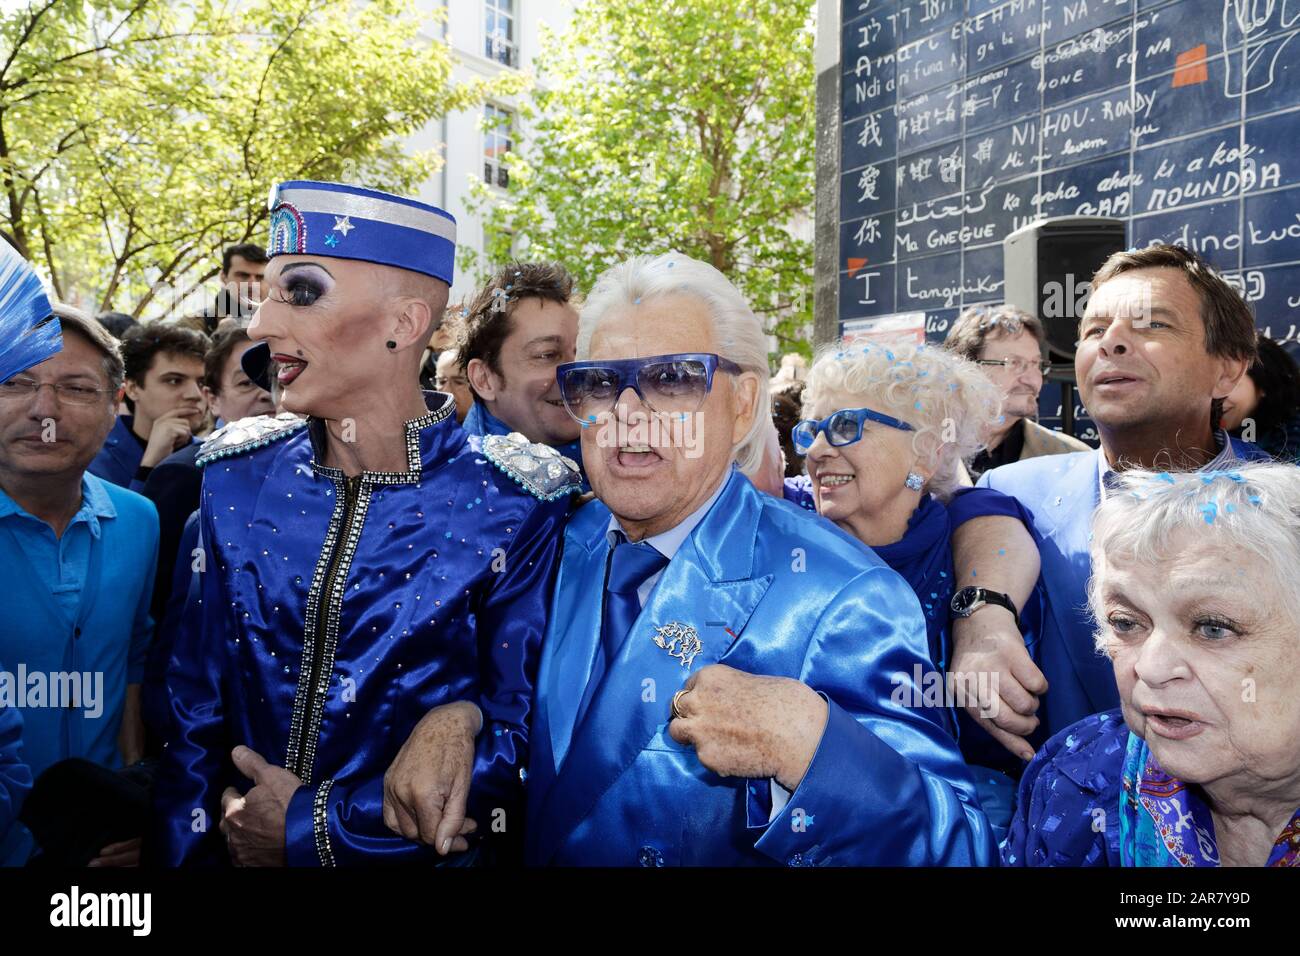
(1230, 508)
(1210, 510)
(889, 355)
(1255, 500)
(1165, 476)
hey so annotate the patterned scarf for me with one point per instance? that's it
(1164, 823)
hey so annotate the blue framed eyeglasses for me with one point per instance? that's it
(669, 384)
(842, 428)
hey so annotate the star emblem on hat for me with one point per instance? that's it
(343, 224)
(331, 240)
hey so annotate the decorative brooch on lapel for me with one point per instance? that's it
(679, 640)
(539, 469)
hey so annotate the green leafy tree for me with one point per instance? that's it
(671, 124)
(138, 137)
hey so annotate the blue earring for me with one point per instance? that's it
(914, 481)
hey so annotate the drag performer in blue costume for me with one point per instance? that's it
(364, 571)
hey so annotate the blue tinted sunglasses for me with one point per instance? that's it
(842, 428)
(675, 384)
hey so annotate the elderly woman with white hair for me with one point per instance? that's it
(888, 429)
(1194, 594)
(719, 683)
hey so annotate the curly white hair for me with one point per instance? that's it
(951, 403)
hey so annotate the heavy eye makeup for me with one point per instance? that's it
(303, 286)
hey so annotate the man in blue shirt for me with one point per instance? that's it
(163, 376)
(79, 554)
(1163, 341)
(518, 329)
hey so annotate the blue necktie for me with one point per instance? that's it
(630, 566)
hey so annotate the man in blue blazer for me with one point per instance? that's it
(726, 679)
(1163, 341)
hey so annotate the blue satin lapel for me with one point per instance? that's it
(1063, 572)
(624, 716)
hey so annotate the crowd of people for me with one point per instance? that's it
(336, 574)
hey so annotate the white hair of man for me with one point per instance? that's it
(737, 332)
(1254, 506)
(950, 403)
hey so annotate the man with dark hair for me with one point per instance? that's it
(1007, 344)
(164, 368)
(1162, 342)
(243, 267)
(517, 329)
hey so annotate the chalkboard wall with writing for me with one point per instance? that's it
(962, 120)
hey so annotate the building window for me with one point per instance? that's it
(497, 134)
(499, 32)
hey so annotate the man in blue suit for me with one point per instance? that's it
(1163, 341)
(743, 688)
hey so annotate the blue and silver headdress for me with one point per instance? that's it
(24, 342)
(349, 222)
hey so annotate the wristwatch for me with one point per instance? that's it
(969, 600)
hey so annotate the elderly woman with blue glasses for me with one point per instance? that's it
(1194, 594)
(888, 428)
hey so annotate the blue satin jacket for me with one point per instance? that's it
(769, 590)
(334, 612)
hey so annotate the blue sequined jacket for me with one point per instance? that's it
(333, 612)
